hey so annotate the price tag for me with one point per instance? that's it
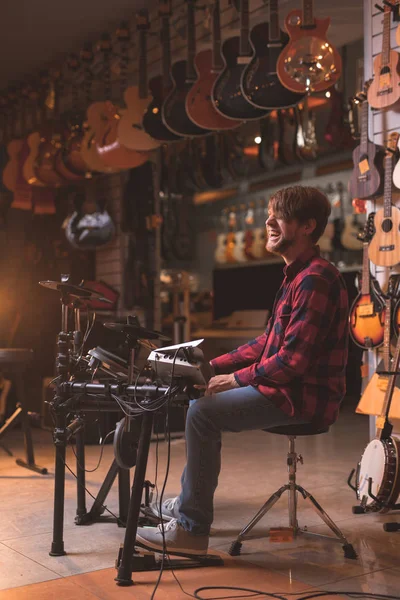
(384, 80)
(243, 60)
(363, 166)
(366, 310)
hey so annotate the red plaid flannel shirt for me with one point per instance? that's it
(299, 362)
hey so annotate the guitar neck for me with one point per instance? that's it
(143, 64)
(364, 128)
(217, 62)
(166, 50)
(389, 392)
(366, 277)
(387, 190)
(308, 15)
(386, 334)
(274, 32)
(244, 44)
(386, 36)
(191, 41)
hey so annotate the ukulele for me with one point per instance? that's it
(208, 64)
(367, 312)
(227, 95)
(384, 249)
(260, 83)
(183, 73)
(384, 90)
(112, 153)
(308, 63)
(366, 180)
(160, 85)
(239, 253)
(130, 132)
(378, 469)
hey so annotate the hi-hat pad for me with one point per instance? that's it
(74, 291)
(136, 331)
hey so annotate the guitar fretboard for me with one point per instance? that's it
(386, 36)
(217, 62)
(143, 65)
(166, 50)
(191, 42)
(364, 128)
(274, 32)
(244, 45)
(365, 286)
(308, 14)
(387, 190)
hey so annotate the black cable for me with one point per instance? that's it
(100, 457)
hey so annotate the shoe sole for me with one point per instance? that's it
(177, 551)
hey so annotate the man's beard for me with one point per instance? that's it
(279, 247)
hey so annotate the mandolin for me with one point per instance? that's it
(308, 63)
(384, 90)
(378, 476)
(260, 83)
(183, 73)
(367, 313)
(208, 64)
(112, 153)
(227, 95)
(384, 249)
(366, 179)
(130, 132)
(161, 85)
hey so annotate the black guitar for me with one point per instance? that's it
(183, 73)
(227, 94)
(260, 82)
(161, 85)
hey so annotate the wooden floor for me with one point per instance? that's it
(253, 466)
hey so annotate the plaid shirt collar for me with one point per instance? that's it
(301, 261)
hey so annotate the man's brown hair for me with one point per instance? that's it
(302, 203)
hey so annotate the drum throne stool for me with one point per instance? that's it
(293, 489)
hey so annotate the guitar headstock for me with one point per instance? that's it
(392, 143)
(142, 20)
(123, 32)
(164, 8)
(369, 229)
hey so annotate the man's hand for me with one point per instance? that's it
(221, 383)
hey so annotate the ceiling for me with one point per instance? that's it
(34, 34)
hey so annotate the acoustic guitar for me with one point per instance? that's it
(227, 94)
(384, 90)
(260, 83)
(161, 85)
(306, 139)
(384, 249)
(111, 152)
(366, 178)
(308, 63)
(367, 313)
(33, 139)
(183, 74)
(130, 132)
(208, 64)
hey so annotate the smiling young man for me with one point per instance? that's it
(293, 373)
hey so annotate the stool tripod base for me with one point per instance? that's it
(32, 467)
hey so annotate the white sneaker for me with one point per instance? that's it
(169, 509)
(177, 539)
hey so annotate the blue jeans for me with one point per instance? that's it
(240, 409)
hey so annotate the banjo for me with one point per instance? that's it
(379, 463)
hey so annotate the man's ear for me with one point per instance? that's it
(309, 226)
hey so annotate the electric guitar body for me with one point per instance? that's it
(10, 172)
(198, 102)
(130, 130)
(153, 123)
(260, 83)
(96, 130)
(174, 114)
(28, 169)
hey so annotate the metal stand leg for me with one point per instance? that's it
(80, 475)
(57, 546)
(124, 494)
(124, 576)
(292, 459)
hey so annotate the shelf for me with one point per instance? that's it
(275, 261)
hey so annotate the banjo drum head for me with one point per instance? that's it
(372, 464)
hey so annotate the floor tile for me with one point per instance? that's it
(17, 570)
(60, 589)
(386, 581)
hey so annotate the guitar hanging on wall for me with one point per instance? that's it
(366, 178)
(384, 249)
(308, 63)
(384, 90)
(260, 83)
(208, 65)
(367, 313)
(227, 95)
(183, 73)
